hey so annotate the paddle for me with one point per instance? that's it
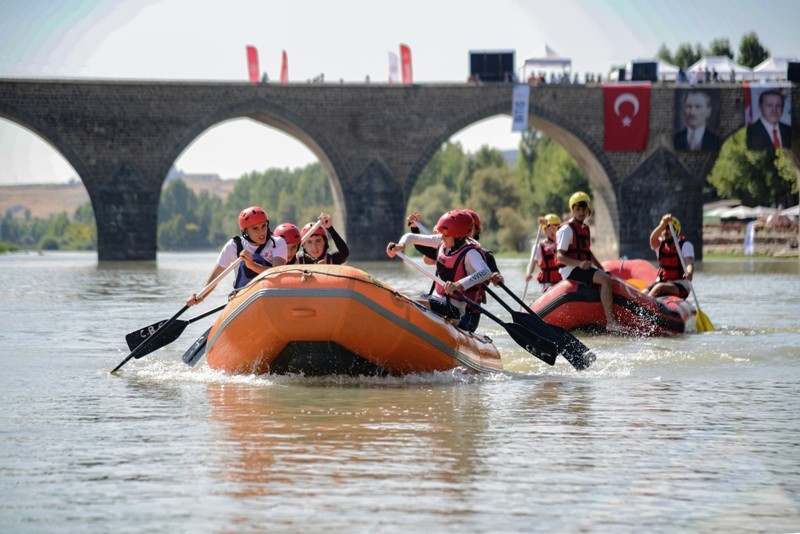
(173, 331)
(702, 320)
(531, 263)
(569, 346)
(540, 347)
(198, 348)
(143, 347)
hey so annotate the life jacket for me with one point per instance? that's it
(669, 263)
(580, 247)
(548, 264)
(245, 275)
(292, 260)
(451, 267)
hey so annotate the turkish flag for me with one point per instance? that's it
(626, 113)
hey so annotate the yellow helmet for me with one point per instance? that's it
(580, 196)
(552, 219)
(676, 224)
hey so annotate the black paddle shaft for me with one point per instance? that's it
(573, 350)
(540, 347)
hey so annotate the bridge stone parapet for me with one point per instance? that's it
(122, 137)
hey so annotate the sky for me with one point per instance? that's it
(344, 39)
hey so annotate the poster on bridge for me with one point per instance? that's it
(768, 116)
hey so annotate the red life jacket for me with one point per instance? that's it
(548, 264)
(452, 267)
(669, 263)
(580, 247)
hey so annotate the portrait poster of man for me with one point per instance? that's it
(697, 119)
(768, 116)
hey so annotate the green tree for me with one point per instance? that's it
(764, 177)
(720, 47)
(664, 54)
(685, 56)
(751, 53)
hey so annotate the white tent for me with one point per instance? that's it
(792, 212)
(773, 68)
(548, 60)
(743, 212)
(723, 65)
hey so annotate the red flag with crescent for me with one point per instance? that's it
(626, 114)
(252, 63)
(405, 63)
(284, 68)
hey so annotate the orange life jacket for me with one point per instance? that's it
(548, 264)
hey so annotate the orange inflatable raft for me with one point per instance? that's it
(336, 319)
(575, 306)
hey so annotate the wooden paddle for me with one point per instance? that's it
(198, 348)
(540, 347)
(166, 326)
(531, 263)
(702, 320)
(569, 346)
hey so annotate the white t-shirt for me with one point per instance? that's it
(563, 241)
(275, 248)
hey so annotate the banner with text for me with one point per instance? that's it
(626, 116)
(519, 108)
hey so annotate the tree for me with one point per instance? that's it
(763, 177)
(685, 56)
(664, 54)
(720, 47)
(751, 53)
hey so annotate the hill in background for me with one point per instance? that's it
(43, 200)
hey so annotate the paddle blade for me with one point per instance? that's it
(197, 350)
(703, 322)
(638, 283)
(542, 348)
(167, 336)
(570, 347)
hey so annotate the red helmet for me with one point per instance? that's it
(319, 231)
(475, 219)
(289, 232)
(456, 223)
(250, 216)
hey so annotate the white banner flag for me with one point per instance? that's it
(394, 68)
(519, 109)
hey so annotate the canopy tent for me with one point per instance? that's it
(546, 59)
(743, 212)
(773, 68)
(792, 212)
(723, 65)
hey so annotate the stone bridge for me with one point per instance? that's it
(122, 137)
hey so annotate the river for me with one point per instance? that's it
(696, 433)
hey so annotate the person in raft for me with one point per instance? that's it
(545, 254)
(578, 263)
(291, 234)
(257, 246)
(315, 247)
(471, 318)
(671, 278)
(460, 263)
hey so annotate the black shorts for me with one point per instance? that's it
(584, 276)
(445, 309)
